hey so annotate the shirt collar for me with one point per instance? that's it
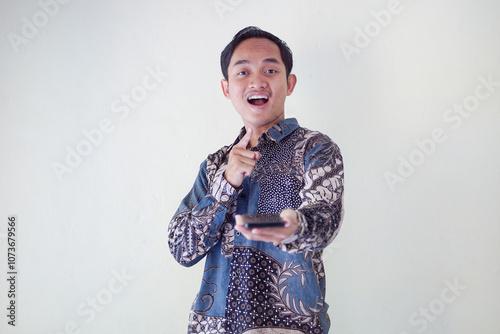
(277, 132)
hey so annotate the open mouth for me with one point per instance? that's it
(258, 100)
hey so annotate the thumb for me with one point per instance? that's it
(243, 143)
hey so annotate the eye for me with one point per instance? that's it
(242, 73)
(271, 71)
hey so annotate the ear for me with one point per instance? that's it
(225, 87)
(291, 81)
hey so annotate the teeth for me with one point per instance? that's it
(256, 97)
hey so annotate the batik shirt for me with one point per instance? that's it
(254, 286)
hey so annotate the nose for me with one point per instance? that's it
(257, 81)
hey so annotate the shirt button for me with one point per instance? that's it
(238, 233)
(233, 274)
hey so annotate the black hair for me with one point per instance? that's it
(255, 32)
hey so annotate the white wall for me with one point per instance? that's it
(402, 244)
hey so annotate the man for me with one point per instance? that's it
(261, 280)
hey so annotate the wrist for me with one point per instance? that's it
(233, 184)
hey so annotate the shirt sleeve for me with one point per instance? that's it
(196, 226)
(321, 212)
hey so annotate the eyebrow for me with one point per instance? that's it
(267, 60)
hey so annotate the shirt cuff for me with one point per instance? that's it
(222, 190)
(290, 242)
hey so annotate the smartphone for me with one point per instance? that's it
(262, 220)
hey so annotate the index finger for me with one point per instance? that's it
(243, 143)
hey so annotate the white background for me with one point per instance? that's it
(400, 246)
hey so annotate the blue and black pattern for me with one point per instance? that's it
(252, 286)
(255, 299)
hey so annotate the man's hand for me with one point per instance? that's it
(241, 161)
(270, 234)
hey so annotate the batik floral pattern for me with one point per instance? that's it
(263, 288)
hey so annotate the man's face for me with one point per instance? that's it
(257, 84)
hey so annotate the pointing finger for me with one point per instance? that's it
(243, 143)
